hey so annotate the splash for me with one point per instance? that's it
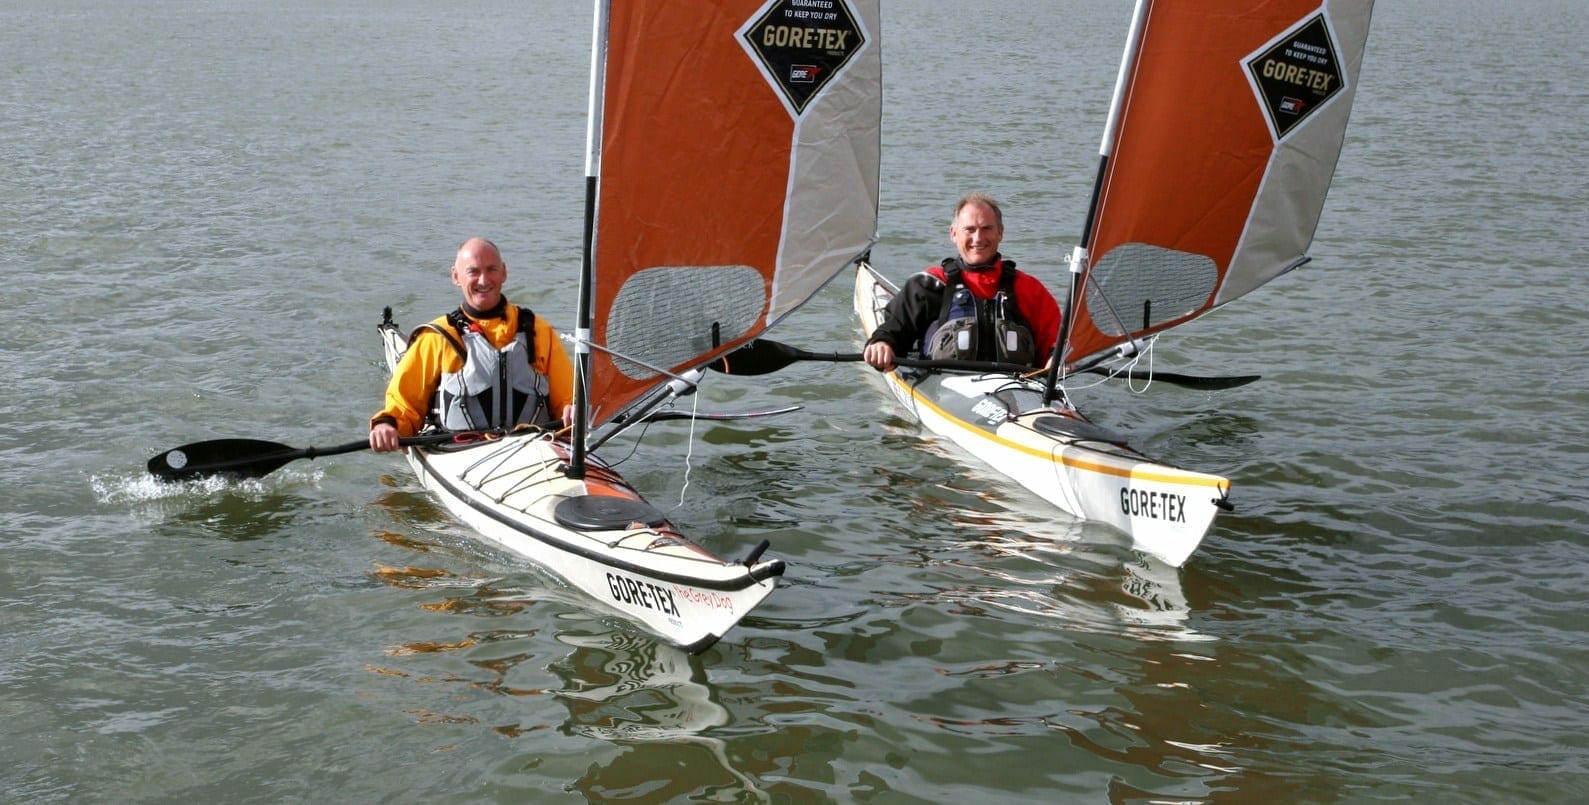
(116, 490)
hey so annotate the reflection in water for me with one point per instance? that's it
(1020, 579)
(1043, 565)
(623, 687)
(1219, 721)
(413, 506)
(618, 687)
(985, 513)
(1164, 609)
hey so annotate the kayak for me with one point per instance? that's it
(1084, 469)
(597, 533)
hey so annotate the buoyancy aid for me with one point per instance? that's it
(475, 397)
(973, 329)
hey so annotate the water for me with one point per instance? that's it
(205, 205)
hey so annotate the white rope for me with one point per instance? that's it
(1070, 385)
(1115, 370)
(1146, 351)
(695, 405)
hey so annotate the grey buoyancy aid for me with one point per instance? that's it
(972, 329)
(476, 397)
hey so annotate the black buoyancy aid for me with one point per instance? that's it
(493, 388)
(973, 329)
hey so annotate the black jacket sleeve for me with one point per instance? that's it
(917, 305)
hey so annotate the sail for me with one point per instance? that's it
(739, 150)
(1228, 121)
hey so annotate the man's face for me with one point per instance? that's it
(480, 273)
(976, 234)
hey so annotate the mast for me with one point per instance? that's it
(587, 276)
(1079, 256)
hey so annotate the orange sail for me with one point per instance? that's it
(1220, 149)
(735, 160)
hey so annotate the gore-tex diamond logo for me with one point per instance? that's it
(1295, 75)
(802, 45)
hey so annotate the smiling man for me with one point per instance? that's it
(976, 306)
(489, 364)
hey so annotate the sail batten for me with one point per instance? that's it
(1229, 119)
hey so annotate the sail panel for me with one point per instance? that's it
(739, 173)
(1232, 119)
(831, 216)
(1138, 286)
(655, 306)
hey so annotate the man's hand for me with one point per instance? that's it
(880, 355)
(383, 438)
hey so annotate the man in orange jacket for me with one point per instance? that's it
(489, 364)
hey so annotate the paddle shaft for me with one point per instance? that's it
(1134, 373)
(948, 365)
(762, 356)
(364, 444)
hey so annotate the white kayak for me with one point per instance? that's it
(1052, 450)
(596, 533)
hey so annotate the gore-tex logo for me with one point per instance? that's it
(1296, 74)
(803, 45)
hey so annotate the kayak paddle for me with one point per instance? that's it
(761, 356)
(253, 458)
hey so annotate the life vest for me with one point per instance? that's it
(972, 329)
(475, 397)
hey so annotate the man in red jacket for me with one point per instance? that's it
(973, 307)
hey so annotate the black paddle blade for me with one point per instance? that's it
(1207, 383)
(1210, 383)
(759, 357)
(230, 458)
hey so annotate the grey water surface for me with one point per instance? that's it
(204, 205)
